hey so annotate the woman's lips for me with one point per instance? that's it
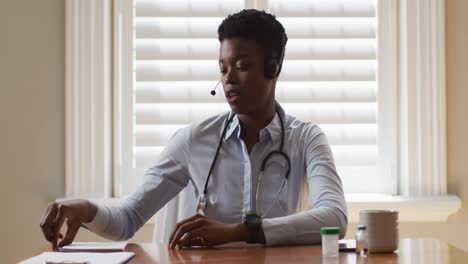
(232, 96)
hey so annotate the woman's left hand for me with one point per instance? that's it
(201, 231)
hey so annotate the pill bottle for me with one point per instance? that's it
(330, 241)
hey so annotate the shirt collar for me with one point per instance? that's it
(272, 130)
(234, 126)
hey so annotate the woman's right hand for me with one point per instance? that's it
(75, 212)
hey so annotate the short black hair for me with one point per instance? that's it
(256, 25)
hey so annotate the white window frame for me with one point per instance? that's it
(386, 95)
(88, 132)
(97, 112)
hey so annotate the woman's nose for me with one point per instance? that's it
(230, 76)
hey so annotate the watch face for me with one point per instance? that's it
(252, 218)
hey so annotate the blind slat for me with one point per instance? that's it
(207, 49)
(322, 113)
(207, 8)
(187, 8)
(286, 92)
(321, 8)
(297, 27)
(293, 70)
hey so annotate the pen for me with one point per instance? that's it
(67, 262)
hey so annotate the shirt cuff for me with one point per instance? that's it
(101, 221)
(277, 232)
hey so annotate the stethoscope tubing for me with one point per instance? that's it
(202, 202)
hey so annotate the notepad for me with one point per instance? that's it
(94, 247)
(82, 258)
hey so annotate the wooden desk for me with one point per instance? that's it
(424, 251)
(411, 251)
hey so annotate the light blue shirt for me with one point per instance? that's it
(186, 161)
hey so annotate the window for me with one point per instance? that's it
(329, 77)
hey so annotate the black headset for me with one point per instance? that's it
(273, 64)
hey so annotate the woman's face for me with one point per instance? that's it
(246, 88)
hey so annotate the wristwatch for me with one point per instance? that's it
(253, 222)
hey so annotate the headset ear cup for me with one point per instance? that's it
(271, 68)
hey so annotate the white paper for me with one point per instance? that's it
(94, 247)
(88, 258)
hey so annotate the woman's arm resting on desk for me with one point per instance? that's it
(201, 231)
(161, 183)
(120, 221)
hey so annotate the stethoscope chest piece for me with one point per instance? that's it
(201, 205)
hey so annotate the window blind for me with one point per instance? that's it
(328, 76)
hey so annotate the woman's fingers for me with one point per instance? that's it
(193, 242)
(58, 223)
(185, 228)
(73, 228)
(193, 238)
(75, 212)
(48, 220)
(192, 218)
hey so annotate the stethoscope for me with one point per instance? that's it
(202, 201)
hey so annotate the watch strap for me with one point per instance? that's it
(253, 222)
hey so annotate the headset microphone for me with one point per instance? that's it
(213, 92)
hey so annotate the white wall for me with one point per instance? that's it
(32, 122)
(31, 119)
